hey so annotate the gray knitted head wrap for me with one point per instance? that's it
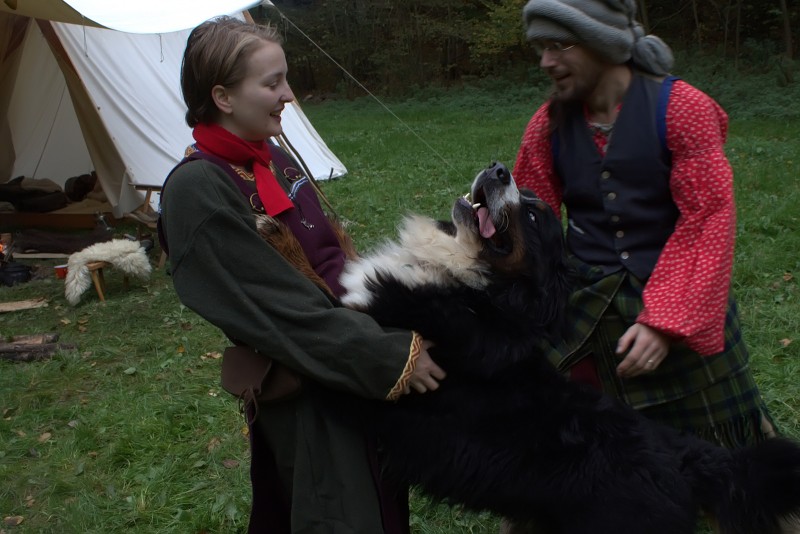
(607, 27)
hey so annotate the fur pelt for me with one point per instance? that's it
(125, 255)
(281, 238)
(505, 431)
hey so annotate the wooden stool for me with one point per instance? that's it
(96, 270)
(146, 217)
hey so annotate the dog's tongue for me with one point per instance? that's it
(485, 224)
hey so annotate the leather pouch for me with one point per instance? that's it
(248, 375)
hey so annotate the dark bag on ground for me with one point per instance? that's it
(249, 375)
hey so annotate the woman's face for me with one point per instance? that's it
(252, 108)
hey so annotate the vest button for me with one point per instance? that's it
(624, 255)
(611, 196)
(620, 234)
(615, 218)
(605, 175)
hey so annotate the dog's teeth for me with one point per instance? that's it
(467, 197)
(476, 205)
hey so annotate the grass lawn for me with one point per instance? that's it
(131, 431)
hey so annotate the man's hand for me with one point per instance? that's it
(646, 349)
(426, 374)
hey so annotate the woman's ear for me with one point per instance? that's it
(222, 99)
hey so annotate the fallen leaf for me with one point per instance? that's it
(787, 277)
(29, 501)
(73, 423)
(82, 329)
(21, 433)
(130, 370)
(212, 355)
(186, 326)
(13, 520)
(92, 454)
(181, 349)
(785, 342)
(213, 444)
(212, 393)
(83, 321)
(65, 322)
(8, 412)
(45, 437)
(230, 464)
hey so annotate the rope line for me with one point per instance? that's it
(373, 96)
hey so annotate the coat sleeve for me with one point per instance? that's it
(533, 168)
(687, 293)
(224, 271)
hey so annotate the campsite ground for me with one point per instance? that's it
(131, 431)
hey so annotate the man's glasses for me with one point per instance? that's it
(554, 47)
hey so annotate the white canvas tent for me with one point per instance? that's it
(80, 97)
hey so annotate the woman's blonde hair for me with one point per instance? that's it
(216, 54)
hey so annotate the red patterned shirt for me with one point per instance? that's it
(686, 295)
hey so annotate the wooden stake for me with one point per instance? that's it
(19, 352)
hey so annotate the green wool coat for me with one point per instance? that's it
(223, 270)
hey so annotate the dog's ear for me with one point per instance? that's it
(557, 278)
(557, 285)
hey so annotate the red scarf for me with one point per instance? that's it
(216, 140)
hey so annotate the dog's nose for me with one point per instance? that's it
(500, 171)
(504, 175)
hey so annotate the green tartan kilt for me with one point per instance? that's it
(715, 397)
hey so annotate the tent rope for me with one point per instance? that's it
(374, 97)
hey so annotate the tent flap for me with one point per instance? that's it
(99, 99)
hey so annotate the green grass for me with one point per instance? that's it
(131, 432)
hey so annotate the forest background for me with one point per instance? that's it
(396, 47)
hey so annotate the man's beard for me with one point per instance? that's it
(579, 90)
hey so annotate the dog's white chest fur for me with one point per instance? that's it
(423, 255)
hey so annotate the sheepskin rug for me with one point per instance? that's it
(125, 255)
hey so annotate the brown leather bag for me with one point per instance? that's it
(248, 375)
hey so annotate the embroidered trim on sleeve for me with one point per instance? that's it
(400, 387)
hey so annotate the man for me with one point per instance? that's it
(636, 157)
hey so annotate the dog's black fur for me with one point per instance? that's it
(507, 433)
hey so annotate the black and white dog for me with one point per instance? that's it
(507, 433)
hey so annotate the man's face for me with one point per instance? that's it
(574, 69)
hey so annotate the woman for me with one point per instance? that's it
(312, 468)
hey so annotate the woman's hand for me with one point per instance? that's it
(426, 374)
(648, 348)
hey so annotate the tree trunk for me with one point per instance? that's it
(737, 33)
(787, 29)
(643, 15)
(697, 24)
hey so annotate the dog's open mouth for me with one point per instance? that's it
(496, 238)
